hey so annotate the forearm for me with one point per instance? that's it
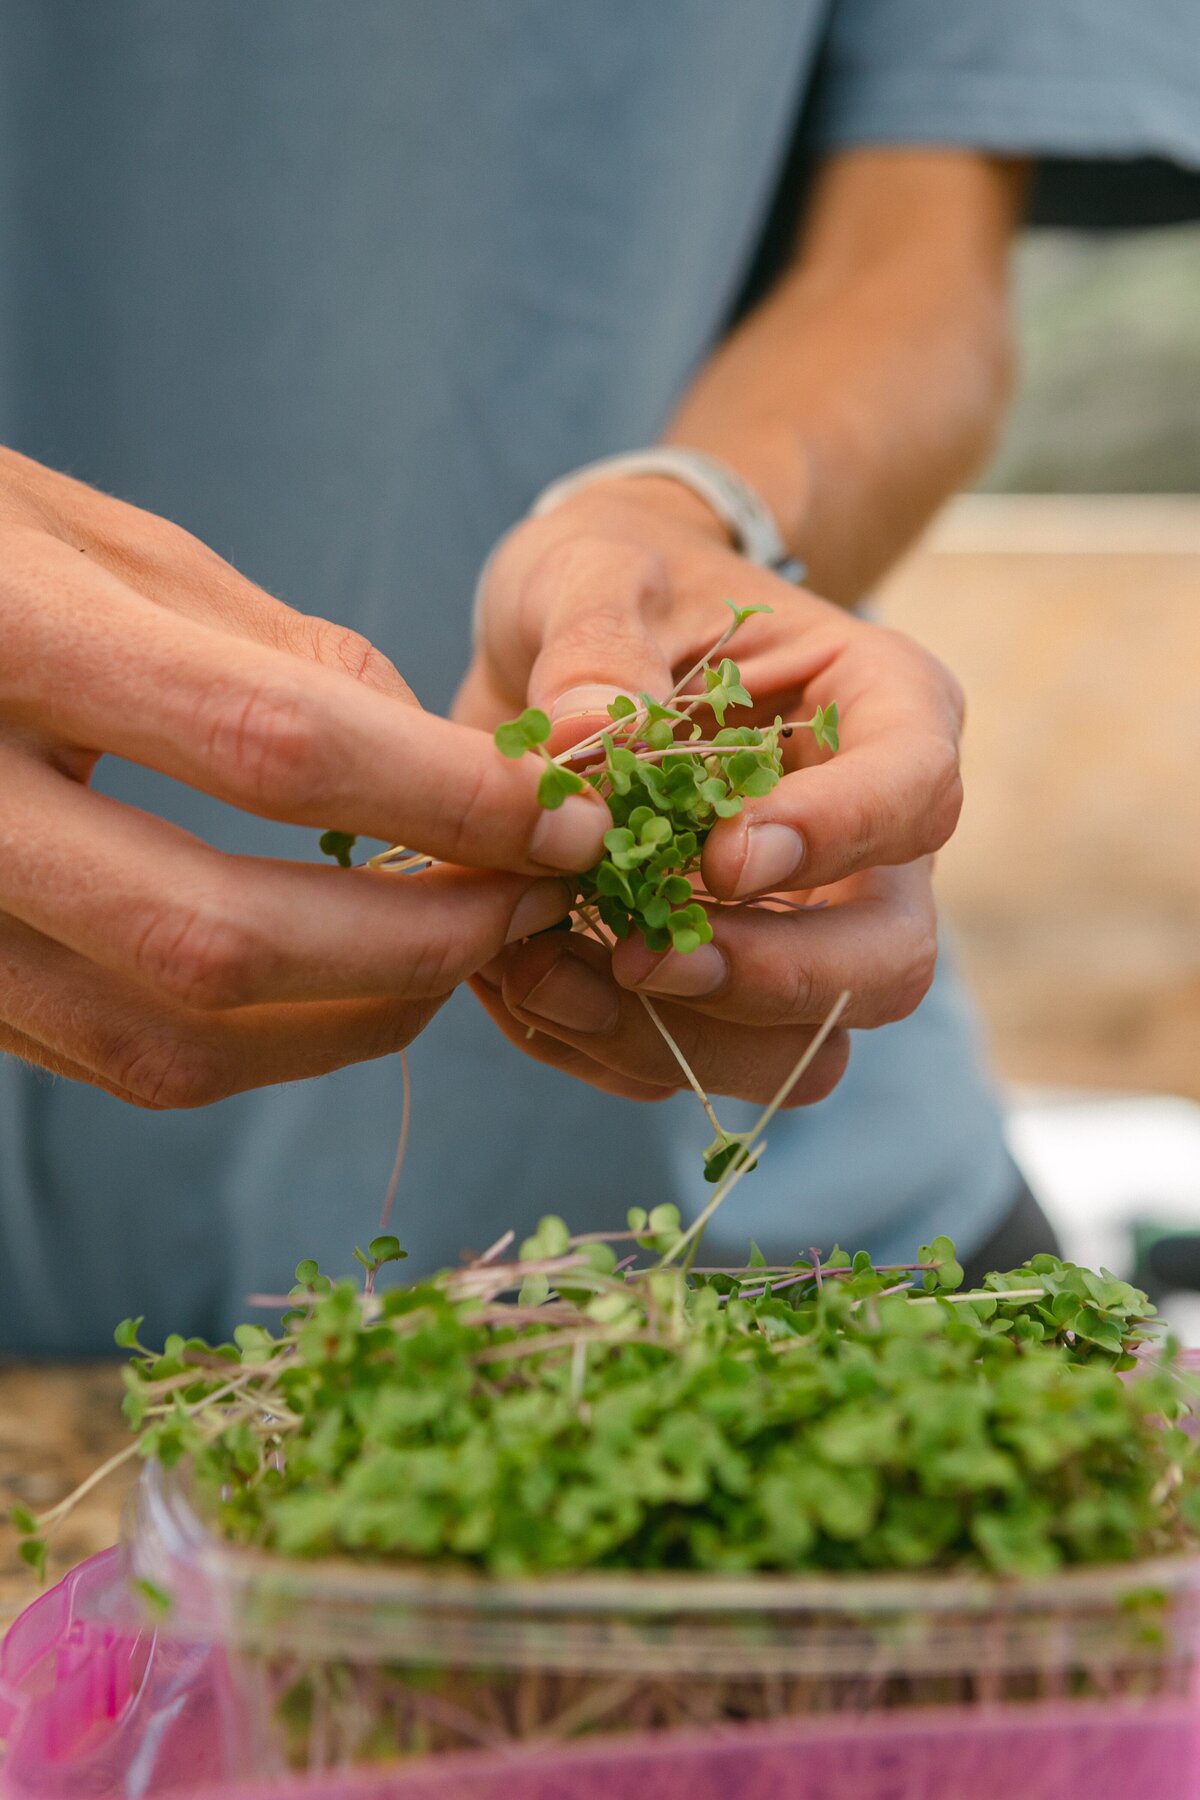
(869, 384)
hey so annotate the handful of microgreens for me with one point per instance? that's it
(668, 777)
(669, 772)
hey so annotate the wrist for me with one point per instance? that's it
(746, 519)
(771, 457)
(659, 497)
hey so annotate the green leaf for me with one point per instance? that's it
(33, 1552)
(621, 708)
(824, 726)
(517, 736)
(125, 1337)
(134, 1405)
(255, 1344)
(534, 1290)
(338, 844)
(610, 1309)
(723, 688)
(23, 1521)
(727, 1150)
(655, 830)
(742, 613)
(386, 1249)
(555, 785)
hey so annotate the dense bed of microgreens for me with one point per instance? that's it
(561, 1411)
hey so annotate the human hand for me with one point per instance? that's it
(134, 957)
(621, 588)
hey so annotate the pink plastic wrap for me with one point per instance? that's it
(92, 1709)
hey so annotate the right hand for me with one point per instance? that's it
(132, 955)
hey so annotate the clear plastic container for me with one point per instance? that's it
(417, 1683)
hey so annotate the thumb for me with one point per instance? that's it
(599, 639)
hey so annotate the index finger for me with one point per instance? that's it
(91, 663)
(891, 794)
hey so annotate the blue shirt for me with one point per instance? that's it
(339, 287)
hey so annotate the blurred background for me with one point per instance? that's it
(1065, 592)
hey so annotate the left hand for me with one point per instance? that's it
(622, 588)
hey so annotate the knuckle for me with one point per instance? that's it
(165, 1070)
(393, 1027)
(199, 958)
(789, 996)
(628, 569)
(268, 746)
(350, 651)
(945, 797)
(915, 980)
(867, 822)
(468, 812)
(142, 544)
(438, 965)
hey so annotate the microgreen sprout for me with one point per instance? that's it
(338, 844)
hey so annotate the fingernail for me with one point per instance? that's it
(574, 996)
(572, 836)
(701, 971)
(773, 854)
(591, 697)
(540, 906)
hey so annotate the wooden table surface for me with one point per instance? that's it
(58, 1423)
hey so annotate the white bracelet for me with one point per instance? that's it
(743, 512)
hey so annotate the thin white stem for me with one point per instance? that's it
(633, 720)
(681, 1059)
(838, 1008)
(676, 1052)
(59, 1512)
(48, 1520)
(720, 644)
(497, 1249)
(1031, 1293)
(617, 728)
(744, 1163)
(399, 860)
(405, 1117)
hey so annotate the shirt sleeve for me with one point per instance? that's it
(1043, 78)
